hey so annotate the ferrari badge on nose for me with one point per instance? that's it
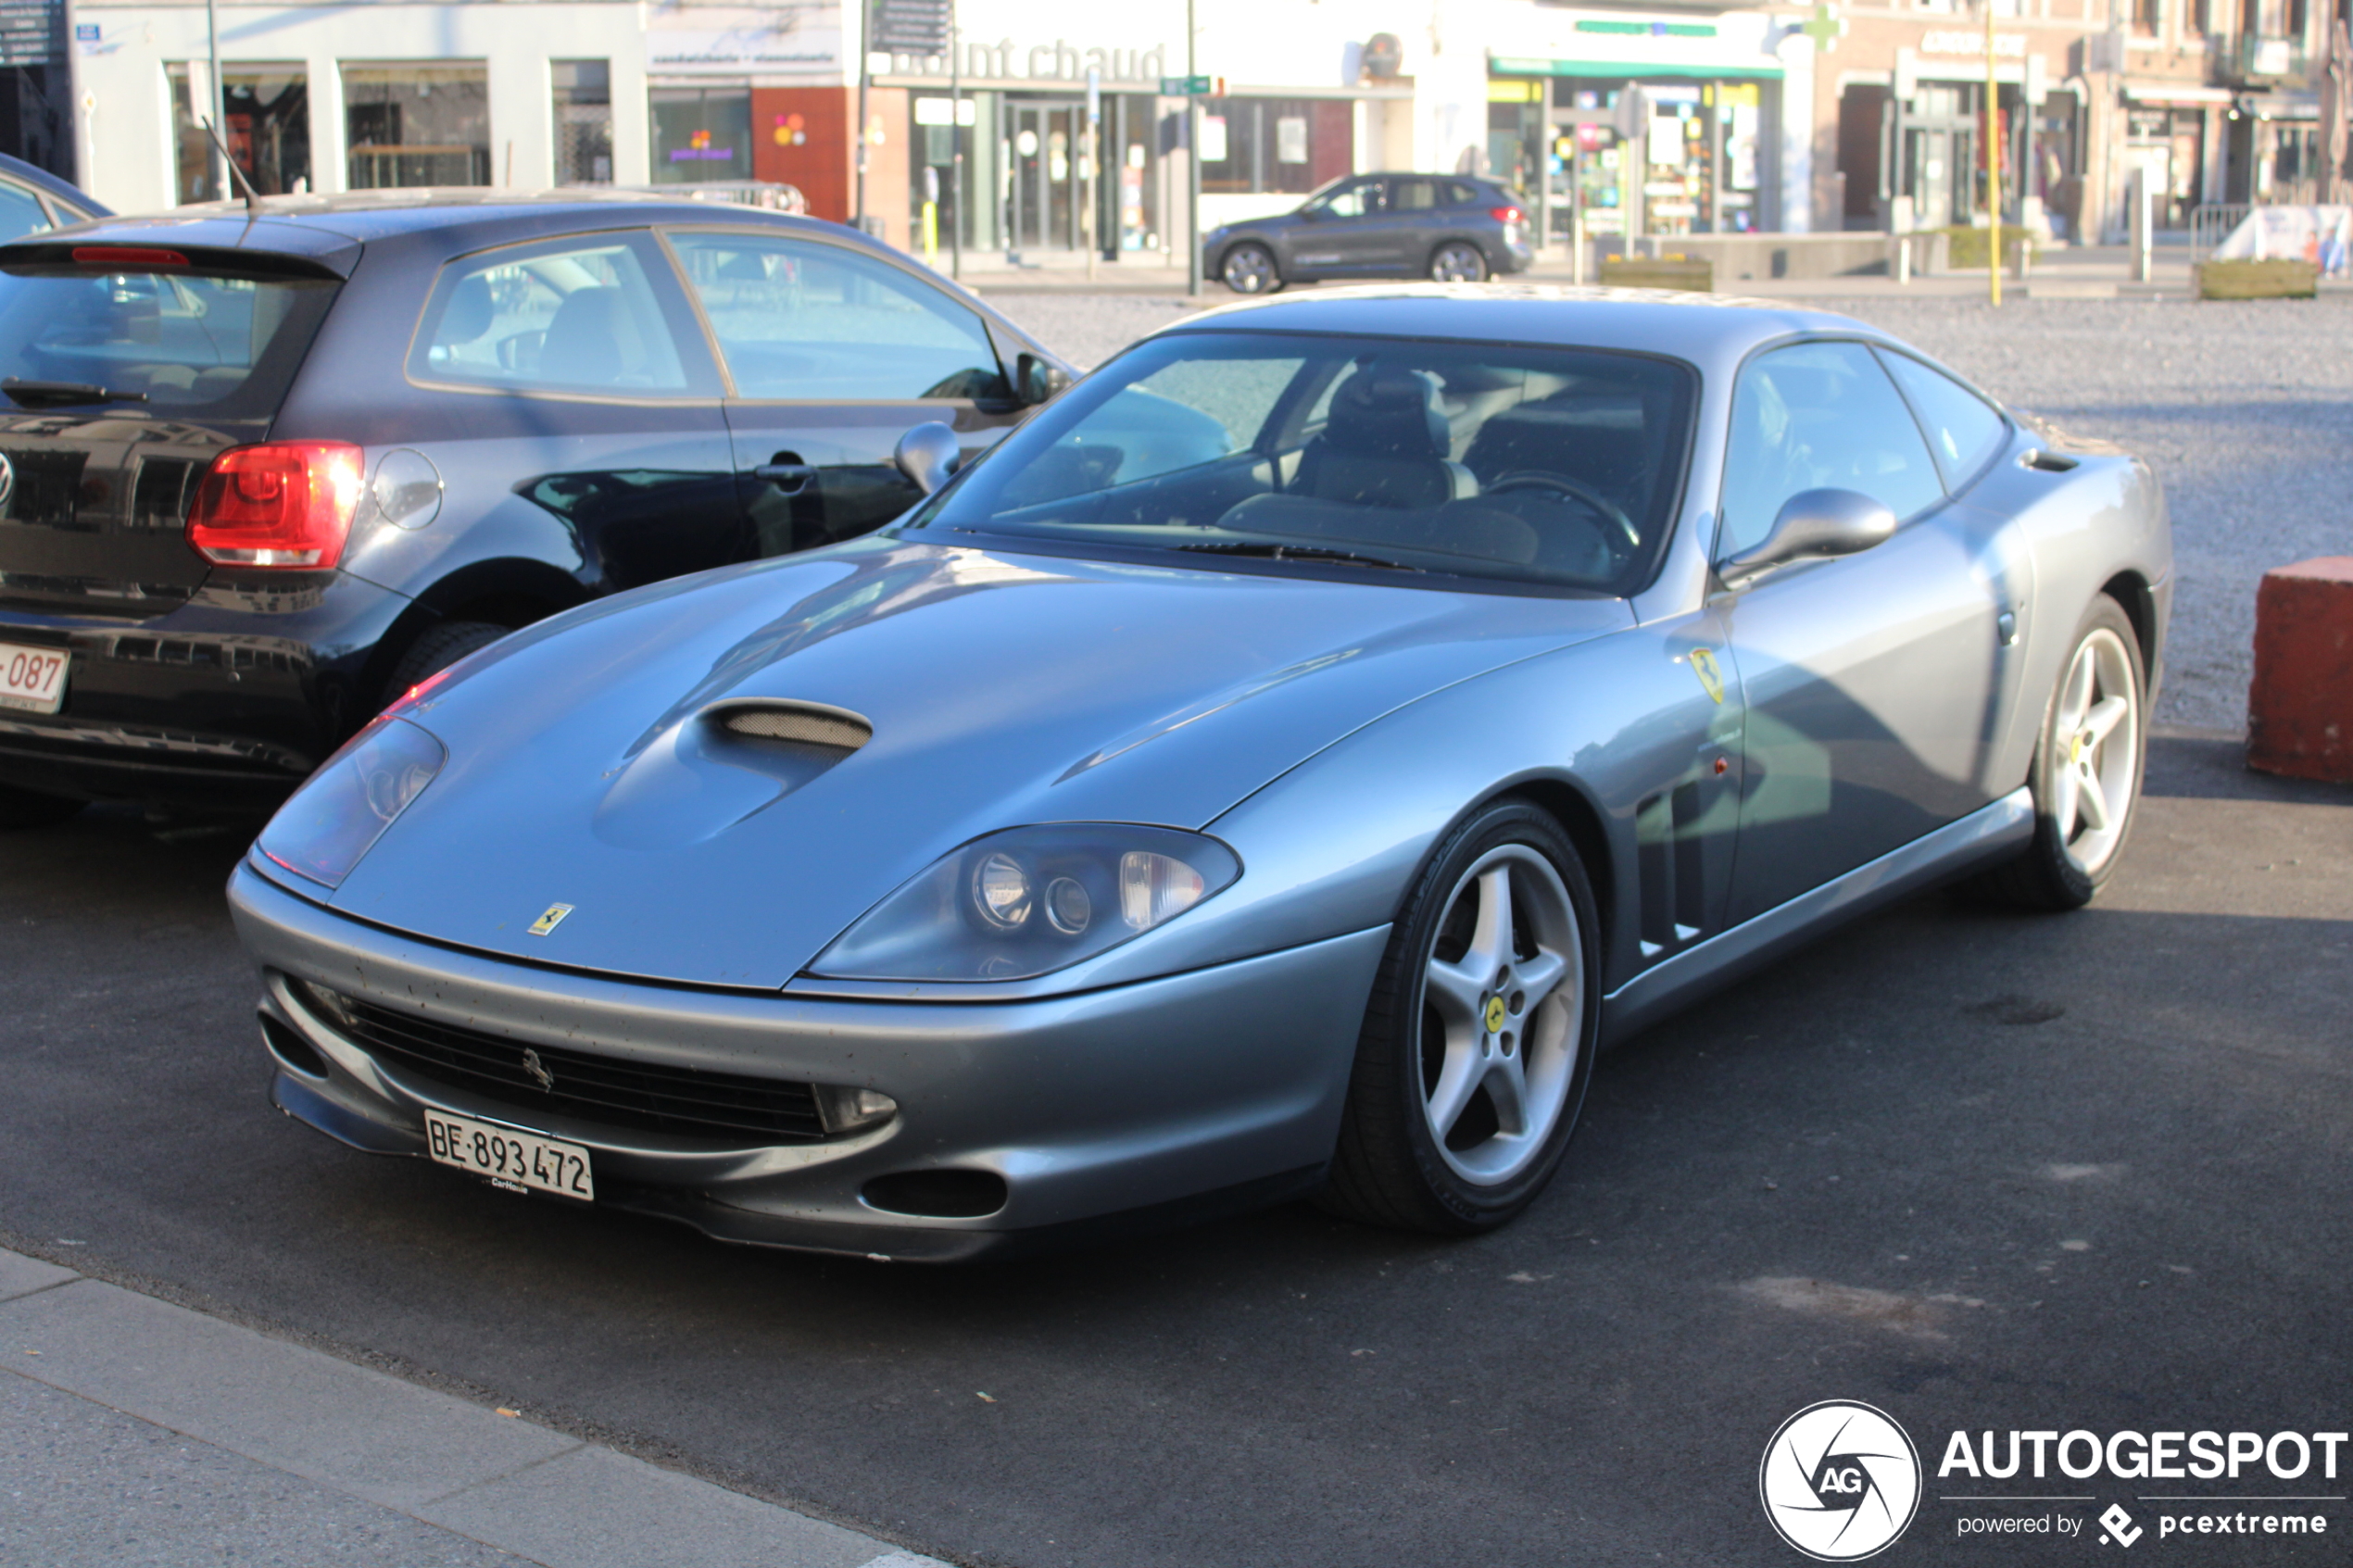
(549, 921)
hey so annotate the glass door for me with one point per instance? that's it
(1042, 143)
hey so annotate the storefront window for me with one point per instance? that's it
(702, 135)
(266, 124)
(584, 121)
(1287, 144)
(417, 125)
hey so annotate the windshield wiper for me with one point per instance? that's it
(41, 393)
(1297, 552)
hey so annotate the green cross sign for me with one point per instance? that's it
(1824, 29)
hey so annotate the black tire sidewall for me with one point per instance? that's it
(1464, 1206)
(2069, 884)
(436, 650)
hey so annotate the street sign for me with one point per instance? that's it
(911, 27)
(1187, 86)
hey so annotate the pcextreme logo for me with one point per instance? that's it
(1840, 1481)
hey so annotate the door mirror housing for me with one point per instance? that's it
(928, 453)
(1039, 380)
(1813, 524)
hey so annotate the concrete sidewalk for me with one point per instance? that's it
(135, 1431)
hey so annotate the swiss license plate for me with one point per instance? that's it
(510, 1158)
(33, 678)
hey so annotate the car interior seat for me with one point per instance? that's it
(469, 313)
(1387, 443)
(593, 341)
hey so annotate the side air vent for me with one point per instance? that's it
(811, 724)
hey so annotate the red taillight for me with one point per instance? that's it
(126, 256)
(283, 503)
(1506, 215)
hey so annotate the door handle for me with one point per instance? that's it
(791, 478)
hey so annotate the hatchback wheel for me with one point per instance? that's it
(1458, 262)
(2087, 769)
(30, 808)
(1250, 269)
(1471, 1068)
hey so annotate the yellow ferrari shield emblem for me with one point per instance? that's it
(1710, 677)
(549, 921)
(1495, 1015)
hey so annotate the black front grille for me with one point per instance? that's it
(594, 1088)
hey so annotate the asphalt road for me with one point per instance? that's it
(1982, 1171)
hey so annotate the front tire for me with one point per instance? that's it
(1458, 261)
(1478, 1039)
(2087, 769)
(1250, 269)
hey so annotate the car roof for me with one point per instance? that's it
(330, 229)
(65, 190)
(1712, 331)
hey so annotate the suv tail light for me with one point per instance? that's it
(1506, 214)
(283, 503)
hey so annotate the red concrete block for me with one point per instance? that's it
(2300, 713)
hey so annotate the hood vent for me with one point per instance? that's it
(810, 727)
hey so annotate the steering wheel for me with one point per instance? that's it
(1536, 479)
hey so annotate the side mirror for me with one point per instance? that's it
(1037, 381)
(1813, 523)
(927, 454)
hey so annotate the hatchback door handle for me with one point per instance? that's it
(791, 478)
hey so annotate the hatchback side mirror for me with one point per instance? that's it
(1037, 381)
(927, 454)
(1811, 524)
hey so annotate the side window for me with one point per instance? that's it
(816, 322)
(1416, 195)
(1964, 431)
(1820, 415)
(1359, 200)
(1459, 194)
(571, 317)
(21, 213)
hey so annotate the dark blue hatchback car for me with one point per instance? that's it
(262, 472)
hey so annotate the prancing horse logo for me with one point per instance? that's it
(533, 1065)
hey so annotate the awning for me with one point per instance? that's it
(1635, 69)
(2176, 92)
(2281, 106)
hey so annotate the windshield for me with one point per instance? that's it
(186, 340)
(1543, 466)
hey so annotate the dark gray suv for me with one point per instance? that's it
(1452, 228)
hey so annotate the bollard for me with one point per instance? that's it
(2299, 708)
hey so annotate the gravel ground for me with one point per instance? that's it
(2246, 409)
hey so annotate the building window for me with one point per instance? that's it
(702, 135)
(1288, 144)
(417, 125)
(584, 121)
(266, 124)
(2148, 17)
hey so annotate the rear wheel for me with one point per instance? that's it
(1250, 269)
(438, 649)
(1458, 261)
(1471, 1068)
(32, 809)
(2087, 771)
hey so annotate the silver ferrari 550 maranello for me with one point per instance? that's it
(1275, 769)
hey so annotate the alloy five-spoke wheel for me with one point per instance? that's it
(1478, 1039)
(2086, 776)
(1458, 262)
(1250, 269)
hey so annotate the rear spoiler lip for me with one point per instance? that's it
(57, 252)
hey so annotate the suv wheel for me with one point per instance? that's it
(1458, 261)
(1250, 269)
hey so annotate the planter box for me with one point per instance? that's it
(2299, 708)
(1659, 273)
(2257, 280)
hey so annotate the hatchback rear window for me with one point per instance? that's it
(189, 342)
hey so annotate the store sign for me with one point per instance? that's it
(1007, 61)
(793, 39)
(1968, 40)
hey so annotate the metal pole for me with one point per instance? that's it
(1093, 154)
(955, 145)
(1993, 169)
(865, 59)
(219, 99)
(1193, 161)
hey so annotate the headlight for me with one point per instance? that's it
(1031, 900)
(338, 816)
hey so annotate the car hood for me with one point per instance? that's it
(1002, 689)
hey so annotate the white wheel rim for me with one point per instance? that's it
(1456, 264)
(1247, 272)
(2095, 738)
(1502, 1016)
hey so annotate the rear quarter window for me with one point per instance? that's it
(178, 340)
